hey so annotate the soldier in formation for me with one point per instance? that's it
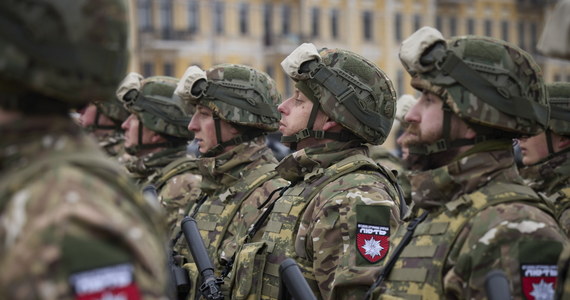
(71, 224)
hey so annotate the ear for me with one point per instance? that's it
(470, 133)
(329, 124)
(563, 142)
(156, 137)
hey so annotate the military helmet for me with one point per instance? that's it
(153, 101)
(237, 94)
(349, 88)
(73, 51)
(559, 99)
(487, 82)
(114, 109)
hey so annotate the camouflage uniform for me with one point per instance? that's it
(112, 143)
(71, 224)
(237, 181)
(336, 217)
(170, 169)
(478, 214)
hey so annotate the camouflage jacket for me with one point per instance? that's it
(70, 219)
(334, 220)
(551, 179)
(480, 218)
(175, 177)
(235, 184)
(112, 144)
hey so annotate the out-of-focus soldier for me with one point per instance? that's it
(236, 105)
(555, 38)
(336, 217)
(103, 119)
(547, 157)
(156, 136)
(71, 224)
(477, 94)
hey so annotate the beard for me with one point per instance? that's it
(412, 137)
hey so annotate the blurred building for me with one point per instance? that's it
(170, 35)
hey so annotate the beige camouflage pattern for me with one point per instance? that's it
(236, 184)
(480, 218)
(315, 222)
(65, 208)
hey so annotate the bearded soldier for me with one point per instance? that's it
(71, 224)
(157, 137)
(477, 94)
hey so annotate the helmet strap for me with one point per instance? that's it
(242, 138)
(95, 126)
(548, 134)
(133, 150)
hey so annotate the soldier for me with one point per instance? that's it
(477, 94)
(71, 224)
(103, 119)
(157, 137)
(236, 106)
(555, 38)
(546, 155)
(336, 217)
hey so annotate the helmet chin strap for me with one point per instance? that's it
(134, 150)
(548, 134)
(219, 148)
(445, 143)
(293, 140)
(96, 126)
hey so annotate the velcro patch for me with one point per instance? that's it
(114, 282)
(539, 281)
(372, 241)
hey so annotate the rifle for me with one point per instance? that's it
(497, 285)
(210, 287)
(293, 285)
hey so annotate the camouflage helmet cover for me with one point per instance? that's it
(559, 98)
(153, 100)
(237, 94)
(371, 116)
(485, 81)
(113, 109)
(74, 51)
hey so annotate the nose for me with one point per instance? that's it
(127, 122)
(413, 115)
(192, 126)
(283, 107)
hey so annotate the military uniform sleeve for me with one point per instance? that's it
(70, 236)
(177, 194)
(349, 232)
(523, 241)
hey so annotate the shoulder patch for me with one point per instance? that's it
(114, 282)
(539, 281)
(372, 241)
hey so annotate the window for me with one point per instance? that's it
(334, 23)
(193, 16)
(315, 20)
(368, 25)
(285, 19)
(505, 30)
(398, 26)
(145, 15)
(166, 18)
(168, 69)
(533, 37)
(243, 18)
(470, 26)
(452, 26)
(219, 17)
(488, 28)
(417, 22)
(438, 23)
(522, 35)
(400, 82)
(288, 88)
(270, 70)
(267, 28)
(148, 69)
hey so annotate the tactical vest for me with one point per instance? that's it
(261, 260)
(177, 167)
(433, 240)
(215, 215)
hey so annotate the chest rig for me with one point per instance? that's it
(257, 266)
(177, 167)
(419, 270)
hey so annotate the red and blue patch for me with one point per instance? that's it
(372, 241)
(539, 281)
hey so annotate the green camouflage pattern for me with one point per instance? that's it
(481, 217)
(559, 100)
(551, 179)
(112, 145)
(113, 109)
(334, 186)
(236, 184)
(510, 69)
(66, 208)
(243, 84)
(73, 51)
(158, 108)
(365, 75)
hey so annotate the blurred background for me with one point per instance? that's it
(170, 35)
